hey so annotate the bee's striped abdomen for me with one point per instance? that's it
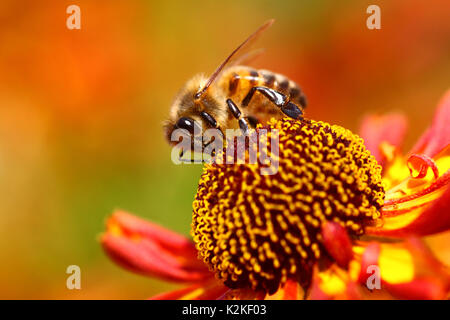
(239, 80)
(284, 85)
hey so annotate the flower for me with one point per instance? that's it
(322, 227)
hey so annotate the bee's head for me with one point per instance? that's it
(185, 112)
(183, 128)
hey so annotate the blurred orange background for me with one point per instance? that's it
(81, 111)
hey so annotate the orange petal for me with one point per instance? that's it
(407, 270)
(388, 128)
(437, 136)
(429, 279)
(439, 245)
(394, 169)
(149, 249)
(290, 291)
(333, 283)
(176, 294)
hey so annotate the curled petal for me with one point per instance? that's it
(149, 249)
(337, 243)
(419, 164)
(437, 136)
(388, 128)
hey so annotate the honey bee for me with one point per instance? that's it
(234, 96)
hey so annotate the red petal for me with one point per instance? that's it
(146, 248)
(337, 243)
(436, 218)
(369, 258)
(167, 238)
(437, 136)
(427, 264)
(176, 294)
(431, 278)
(419, 289)
(431, 219)
(211, 290)
(389, 128)
(291, 289)
(317, 293)
(408, 270)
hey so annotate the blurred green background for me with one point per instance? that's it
(81, 111)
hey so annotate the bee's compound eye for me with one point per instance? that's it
(186, 123)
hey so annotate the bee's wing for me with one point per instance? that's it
(234, 57)
(247, 57)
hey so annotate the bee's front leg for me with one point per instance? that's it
(244, 122)
(191, 160)
(280, 100)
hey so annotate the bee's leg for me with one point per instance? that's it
(213, 123)
(252, 121)
(244, 122)
(277, 98)
(180, 156)
(191, 160)
(213, 152)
